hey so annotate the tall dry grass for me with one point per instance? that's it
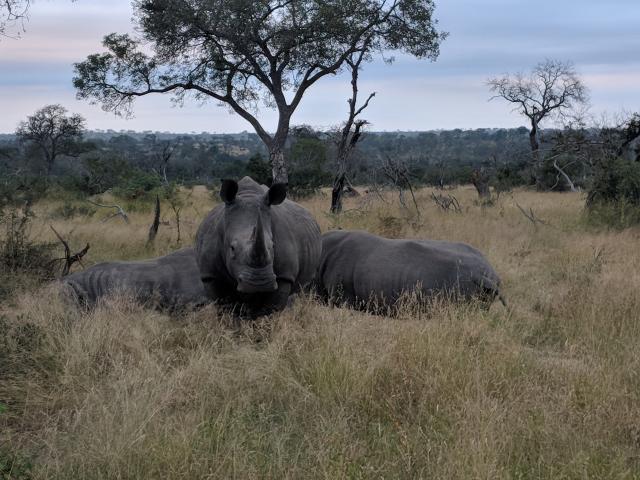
(547, 389)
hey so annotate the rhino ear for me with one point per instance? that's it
(276, 194)
(228, 191)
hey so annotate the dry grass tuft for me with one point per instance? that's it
(547, 389)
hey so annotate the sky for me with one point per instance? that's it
(486, 38)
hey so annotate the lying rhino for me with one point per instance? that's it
(256, 248)
(170, 282)
(370, 272)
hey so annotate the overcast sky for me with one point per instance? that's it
(487, 38)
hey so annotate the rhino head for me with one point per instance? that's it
(248, 240)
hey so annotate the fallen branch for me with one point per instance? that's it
(572, 187)
(68, 258)
(119, 211)
(530, 215)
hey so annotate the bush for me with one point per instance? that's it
(20, 255)
(308, 167)
(69, 210)
(17, 250)
(259, 169)
(138, 185)
(614, 195)
(18, 189)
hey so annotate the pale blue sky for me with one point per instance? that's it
(487, 38)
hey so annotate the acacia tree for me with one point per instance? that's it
(552, 88)
(249, 53)
(53, 132)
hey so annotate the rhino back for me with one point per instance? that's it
(297, 243)
(358, 265)
(172, 280)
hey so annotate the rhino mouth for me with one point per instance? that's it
(257, 280)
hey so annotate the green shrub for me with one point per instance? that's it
(614, 195)
(138, 185)
(18, 251)
(14, 466)
(259, 169)
(18, 189)
(20, 255)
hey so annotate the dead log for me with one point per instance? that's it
(119, 211)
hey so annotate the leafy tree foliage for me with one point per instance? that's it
(246, 53)
(52, 132)
(614, 193)
(309, 164)
(258, 169)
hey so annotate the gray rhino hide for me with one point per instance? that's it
(367, 271)
(296, 252)
(170, 282)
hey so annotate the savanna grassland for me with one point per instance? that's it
(549, 388)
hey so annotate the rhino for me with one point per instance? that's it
(171, 282)
(256, 248)
(369, 272)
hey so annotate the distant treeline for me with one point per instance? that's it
(136, 161)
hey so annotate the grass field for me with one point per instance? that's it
(549, 388)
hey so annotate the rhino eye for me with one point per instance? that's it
(233, 249)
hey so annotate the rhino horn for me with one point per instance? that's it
(259, 254)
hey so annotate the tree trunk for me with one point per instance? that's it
(278, 166)
(337, 192)
(153, 230)
(279, 172)
(481, 180)
(535, 153)
(49, 159)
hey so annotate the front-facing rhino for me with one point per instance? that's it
(256, 248)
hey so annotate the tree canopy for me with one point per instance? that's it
(52, 131)
(248, 54)
(552, 88)
(12, 12)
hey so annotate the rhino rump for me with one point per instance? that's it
(363, 270)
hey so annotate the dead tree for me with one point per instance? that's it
(552, 88)
(448, 203)
(480, 179)
(153, 230)
(397, 174)
(13, 12)
(119, 211)
(350, 134)
(68, 258)
(162, 156)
